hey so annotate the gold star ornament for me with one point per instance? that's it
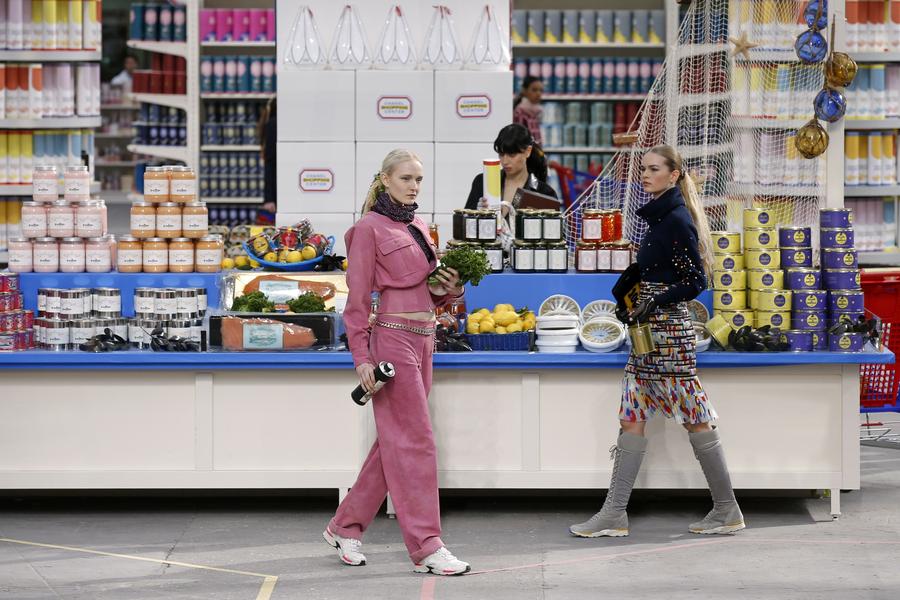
(742, 45)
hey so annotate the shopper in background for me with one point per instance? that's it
(527, 109)
(389, 252)
(675, 259)
(267, 133)
(124, 78)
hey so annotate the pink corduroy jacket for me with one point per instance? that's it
(383, 257)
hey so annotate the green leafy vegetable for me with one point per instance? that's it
(253, 302)
(471, 263)
(307, 303)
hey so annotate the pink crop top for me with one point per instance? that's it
(383, 257)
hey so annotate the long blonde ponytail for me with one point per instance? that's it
(390, 162)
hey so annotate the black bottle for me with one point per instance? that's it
(383, 373)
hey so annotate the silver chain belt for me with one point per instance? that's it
(402, 327)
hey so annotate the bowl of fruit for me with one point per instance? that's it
(288, 250)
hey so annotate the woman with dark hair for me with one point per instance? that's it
(266, 131)
(527, 109)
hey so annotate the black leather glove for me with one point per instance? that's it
(643, 310)
(622, 313)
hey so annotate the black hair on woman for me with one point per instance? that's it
(526, 83)
(516, 138)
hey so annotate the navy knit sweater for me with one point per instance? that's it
(670, 251)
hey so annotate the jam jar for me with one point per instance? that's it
(209, 254)
(523, 257)
(156, 184)
(143, 220)
(129, 254)
(194, 220)
(592, 226)
(77, 183)
(61, 219)
(181, 255)
(586, 257)
(182, 185)
(168, 220)
(34, 219)
(155, 255)
(557, 257)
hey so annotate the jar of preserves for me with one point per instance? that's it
(45, 183)
(155, 255)
(61, 219)
(77, 183)
(156, 184)
(541, 258)
(71, 255)
(181, 255)
(471, 220)
(459, 224)
(494, 253)
(604, 258)
(487, 226)
(34, 220)
(612, 225)
(592, 226)
(129, 255)
(20, 255)
(168, 220)
(557, 257)
(209, 254)
(523, 257)
(97, 255)
(143, 220)
(90, 219)
(46, 255)
(194, 220)
(182, 185)
(620, 256)
(532, 225)
(552, 226)
(586, 257)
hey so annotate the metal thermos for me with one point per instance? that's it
(384, 372)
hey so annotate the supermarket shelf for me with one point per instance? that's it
(52, 123)
(879, 259)
(755, 189)
(861, 124)
(610, 45)
(693, 151)
(855, 191)
(595, 97)
(767, 123)
(114, 136)
(215, 148)
(581, 150)
(49, 55)
(238, 45)
(875, 57)
(179, 153)
(115, 163)
(176, 48)
(173, 100)
(700, 49)
(235, 200)
(234, 96)
(26, 189)
(120, 106)
(692, 99)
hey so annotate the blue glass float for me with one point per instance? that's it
(830, 105)
(809, 15)
(811, 47)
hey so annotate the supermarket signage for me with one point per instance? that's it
(395, 108)
(316, 180)
(476, 106)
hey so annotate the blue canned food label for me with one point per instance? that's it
(812, 320)
(777, 320)
(728, 263)
(800, 257)
(842, 302)
(857, 279)
(726, 299)
(726, 279)
(765, 259)
(764, 238)
(768, 279)
(723, 243)
(844, 342)
(800, 236)
(815, 339)
(848, 259)
(780, 301)
(764, 217)
(738, 320)
(812, 301)
(809, 279)
(840, 238)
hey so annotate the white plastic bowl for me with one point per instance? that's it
(602, 334)
(568, 336)
(557, 322)
(555, 347)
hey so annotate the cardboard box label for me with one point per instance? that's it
(473, 106)
(316, 180)
(393, 108)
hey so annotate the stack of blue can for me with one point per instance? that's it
(808, 300)
(840, 276)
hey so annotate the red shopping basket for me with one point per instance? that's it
(879, 383)
(572, 182)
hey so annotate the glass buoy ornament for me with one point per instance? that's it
(830, 105)
(814, 17)
(811, 47)
(840, 70)
(811, 139)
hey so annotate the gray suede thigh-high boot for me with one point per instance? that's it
(725, 516)
(612, 520)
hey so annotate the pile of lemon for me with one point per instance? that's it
(504, 319)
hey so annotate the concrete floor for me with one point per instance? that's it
(262, 547)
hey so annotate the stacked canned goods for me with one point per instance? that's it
(177, 311)
(539, 245)
(600, 248)
(16, 323)
(840, 276)
(730, 279)
(66, 235)
(805, 332)
(69, 317)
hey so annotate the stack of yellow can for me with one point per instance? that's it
(770, 302)
(730, 279)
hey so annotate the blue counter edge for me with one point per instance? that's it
(214, 361)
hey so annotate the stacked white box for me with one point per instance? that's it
(316, 106)
(471, 106)
(394, 106)
(316, 178)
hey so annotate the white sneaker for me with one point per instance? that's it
(442, 563)
(347, 548)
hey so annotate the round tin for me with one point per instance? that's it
(803, 279)
(201, 299)
(730, 280)
(770, 300)
(809, 299)
(49, 300)
(80, 331)
(846, 342)
(757, 217)
(179, 328)
(835, 218)
(726, 242)
(164, 302)
(56, 335)
(799, 340)
(845, 300)
(143, 300)
(796, 258)
(836, 238)
(765, 279)
(728, 262)
(813, 320)
(820, 341)
(729, 299)
(106, 300)
(839, 258)
(773, 318)
(794, 237)
(763, 238)
(737, 318)
(762, 259)
(186, 301)
(841, 279)
(845, 315)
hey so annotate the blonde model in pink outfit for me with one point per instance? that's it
(390, 252)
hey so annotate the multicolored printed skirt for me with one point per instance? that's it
(665, 380)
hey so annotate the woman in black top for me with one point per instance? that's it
(674, 259)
